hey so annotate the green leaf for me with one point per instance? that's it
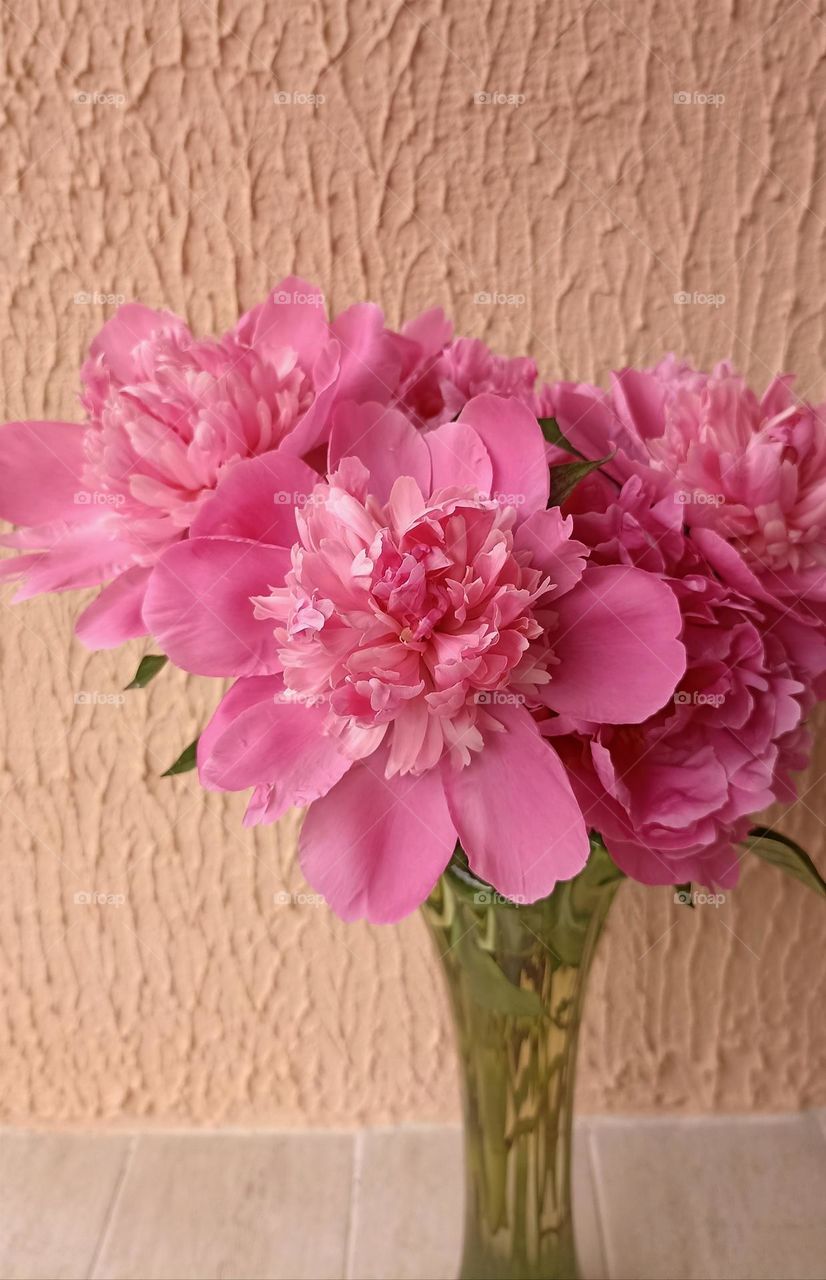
(491, 988)
(782, 852)
(148, 668)
(566, 477)
(553, 434)
(683, 895)
(186, 760)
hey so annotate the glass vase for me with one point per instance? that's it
(516, 977)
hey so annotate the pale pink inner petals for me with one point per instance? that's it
(415, 614)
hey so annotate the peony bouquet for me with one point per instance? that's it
(468, 617)
(505, 642)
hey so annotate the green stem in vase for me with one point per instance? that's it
(516, 978)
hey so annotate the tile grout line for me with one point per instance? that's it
(599, 1201)
(352, 1217)
(114, 1203)
(820, 1121)
(594, 1120)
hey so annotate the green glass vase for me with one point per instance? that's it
(516, 977)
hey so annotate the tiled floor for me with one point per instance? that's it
(655, 1199)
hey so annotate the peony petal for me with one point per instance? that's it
(640, 402)
(547, 536)
(710, 867)
(585, 418)
(313, 428)
(198, 605)
(244, 693)
(732, 568)
(279, 741)
(386, 443)
(370, 361)
(41, 469)
(458, 457)
(515, 812)
(131, 325)
(778, 395)
(589, 423)
(257, 499)
(291, 318)
(619, 655)
(514, 440)
(117, 614)
(83, 556)
(431, 330)
(375, 846)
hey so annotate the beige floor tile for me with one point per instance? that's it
(713, 1200)
(56, 1191)
(219, 1206)
(821, 1115)
(409, 1204)
(587, 1226)
(726, 1199)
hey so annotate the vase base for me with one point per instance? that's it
(482, 1266)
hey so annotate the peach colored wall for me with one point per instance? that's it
(598, 198)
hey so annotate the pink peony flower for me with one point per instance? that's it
(443, 373)
(748, 474)
(672, 796)
(168, 415)
(399, 631)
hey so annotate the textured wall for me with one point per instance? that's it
(182, 183)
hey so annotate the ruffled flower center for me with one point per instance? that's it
(157, 446)
(753, 471)
(411, 618)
